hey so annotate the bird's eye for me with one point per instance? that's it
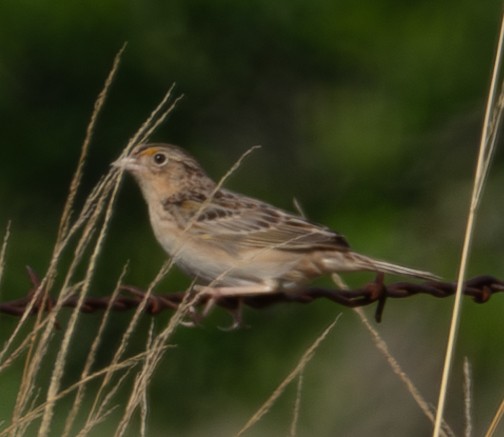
(160, 159)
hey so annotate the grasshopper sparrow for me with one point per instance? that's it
(231, 243)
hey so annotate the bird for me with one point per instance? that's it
(233, 244)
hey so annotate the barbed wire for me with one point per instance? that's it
(479, 288)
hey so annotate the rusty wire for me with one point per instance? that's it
(479, 288)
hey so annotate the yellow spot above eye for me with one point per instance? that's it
(150, 151)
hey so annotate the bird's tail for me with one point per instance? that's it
(355, 261)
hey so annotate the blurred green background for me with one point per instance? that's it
(368, 114)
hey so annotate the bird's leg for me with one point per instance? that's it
(338, 280)
(193, 318)
(236, 314)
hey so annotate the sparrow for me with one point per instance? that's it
(232, 244)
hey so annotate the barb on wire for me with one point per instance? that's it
(479, 288)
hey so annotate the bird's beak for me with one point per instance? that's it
(126, 163)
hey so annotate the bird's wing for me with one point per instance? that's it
(240, 220)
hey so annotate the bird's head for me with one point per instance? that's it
(163, 170)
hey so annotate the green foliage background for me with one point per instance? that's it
(369, 114)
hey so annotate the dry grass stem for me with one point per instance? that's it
(63, 351)
(77, 177)
(90, 359)
(144, 406)
(104, 409)
(36, 412)
(305, 359)
(467, 398)
(160, 118)
(97, 406)
(486, 152)
(397, 369)
(154, 352)
(3, 250)
(143, 395)
(297, 407)
(153, 121)
(495, 421)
